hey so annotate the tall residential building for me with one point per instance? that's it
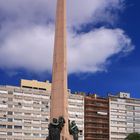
(124, 116)
(25, 111)
(96, 118)
(76, 112)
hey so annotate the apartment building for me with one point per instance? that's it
(124, 115)
(96, 118)
(76, 112)
(34, 84)
(25, 111)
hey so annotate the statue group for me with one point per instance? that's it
(55, 128)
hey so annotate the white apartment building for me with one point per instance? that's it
(76, 112)
(25, 112)
(124, 116)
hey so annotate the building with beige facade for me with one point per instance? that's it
(25, 111)
(34, 84)
(124, 116)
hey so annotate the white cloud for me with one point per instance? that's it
(41, 11)
(89, 52)
(27, 35)
(85, 11)
(28, 48)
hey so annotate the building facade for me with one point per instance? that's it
(124, 116)
(25, 111)
(34, 84)
(76, 112)
(96, 118)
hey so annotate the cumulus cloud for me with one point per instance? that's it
(82, 12)
(89, 52)
(29, 49)
(27, 35)
(79, 11)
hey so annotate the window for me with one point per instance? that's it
(18, 133)
(18, 113)
(44, 128)
(137, 108)
(2, 126)
(35, 102)
(3, 91)
(10, 113)
(36, 128)
(43, 135)
(9, 126)
(36, 121)
(18, 106)
(128, 107)
(27, 134)
(18, 120)
(36, 135)
(2, 133)
(17, 127)
(27, 127)
(10, 92)
(28, 114)
(43, 102)
(10, 119)
(37, 108)
(9, 133)
(81, 132)
(42, 89)
(2, 119)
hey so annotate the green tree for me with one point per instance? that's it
(133, 136)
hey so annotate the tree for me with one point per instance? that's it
(133, 136)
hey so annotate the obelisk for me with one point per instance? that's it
(59, 93)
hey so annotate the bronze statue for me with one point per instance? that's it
(73, 130)
(55, 128)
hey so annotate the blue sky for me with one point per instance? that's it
(103, 44)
